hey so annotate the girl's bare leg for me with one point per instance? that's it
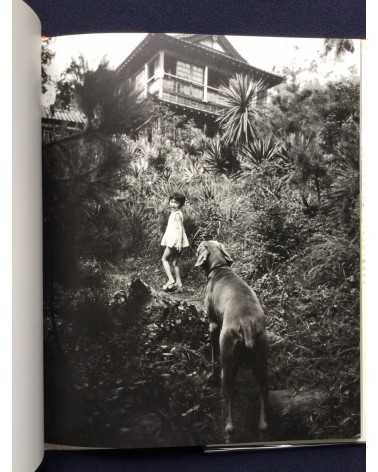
(167, 255)
(176, 268)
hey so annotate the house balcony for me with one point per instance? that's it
(188, 94)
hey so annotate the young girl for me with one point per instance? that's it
(174, 240)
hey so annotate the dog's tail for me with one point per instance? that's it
(247, 333)
(230, 338)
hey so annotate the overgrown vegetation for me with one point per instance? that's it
(284, 200)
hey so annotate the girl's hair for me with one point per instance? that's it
(179, 197)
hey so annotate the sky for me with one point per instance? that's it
(270, 54)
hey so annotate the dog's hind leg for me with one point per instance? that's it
(214, 340)
(228, 384)
(263, 425)
(260, 371)
(229, 371)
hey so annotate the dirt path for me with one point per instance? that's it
(153, 274)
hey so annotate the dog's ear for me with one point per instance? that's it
(226, 255)
(203, 254)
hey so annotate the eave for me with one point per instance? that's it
(157, 41)
(73, 117)
(229, 49)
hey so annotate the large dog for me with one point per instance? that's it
(237, 330)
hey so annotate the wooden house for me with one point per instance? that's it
(186, 71)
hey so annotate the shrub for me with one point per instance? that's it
(220, 158)
(91, 273)
(331, 261)
(258, 151)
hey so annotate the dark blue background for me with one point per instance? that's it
(309, 18)
(342, 458)
(322, 18)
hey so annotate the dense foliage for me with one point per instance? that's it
(279, 186)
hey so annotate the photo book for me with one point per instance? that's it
(186, 225)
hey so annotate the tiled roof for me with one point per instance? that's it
(71, 116)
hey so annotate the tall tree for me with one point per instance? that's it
(85, 170)
(339, 46)
(107, 102)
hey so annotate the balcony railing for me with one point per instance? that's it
(187, 93)
(215, 96)
(178, 86)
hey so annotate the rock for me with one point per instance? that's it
(292, 414)
(288, 403)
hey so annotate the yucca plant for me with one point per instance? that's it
(273, 187)
(208, 190)
(241, 109)
(220, 158)
(137, 168)
(162, 188)
(192, 168)
(259, 150)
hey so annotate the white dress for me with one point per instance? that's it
(175, 236)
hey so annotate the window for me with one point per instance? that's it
(189, 72)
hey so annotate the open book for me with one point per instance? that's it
(239, 150)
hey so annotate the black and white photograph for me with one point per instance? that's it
(201, 234)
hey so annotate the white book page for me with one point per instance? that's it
(27, 242)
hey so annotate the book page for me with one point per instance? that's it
(27, 242)
(201, 211)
